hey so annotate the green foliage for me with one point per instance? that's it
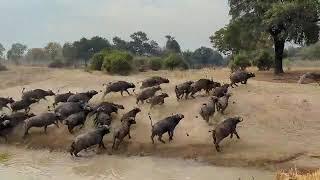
(264, 60)
(86, 48)
(311, 52)
(235, 37)
(287, 20)
(240, 61)
(172, 45)
(119, 44)
(2, 49)
(69, 52)
(175, 61)
(117, 62)
(16, 52)
(206, 56)
(97, 61)
(156, 64)
(53, 49)
(141, 63)
(4, 157)
(36, 55)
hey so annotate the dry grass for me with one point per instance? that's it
(294, 175)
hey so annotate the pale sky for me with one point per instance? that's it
(36, 22)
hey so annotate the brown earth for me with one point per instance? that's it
(280, 128)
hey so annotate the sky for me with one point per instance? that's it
(37, 22)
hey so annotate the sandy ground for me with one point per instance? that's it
(280, 128)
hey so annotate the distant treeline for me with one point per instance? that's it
(139, 47)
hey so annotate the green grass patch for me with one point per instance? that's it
(4, 157)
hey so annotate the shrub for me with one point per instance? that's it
(56, 64)
(264, 60)
(97, 61)
(141, 63)
(3, 67)
(118, 62)
(240, 61)
(155, 64)
(175, 61)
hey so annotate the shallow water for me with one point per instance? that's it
(42, 164)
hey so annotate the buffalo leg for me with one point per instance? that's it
(170, 135)
(128, 92)
(152, 136)
(26, 132)
(217, 148)
(45, 129)
(231, 135)
(119, 142)
(121, 92)
(160, 139)
(101, 144)
(236, 133)
(70, 129)
(114, 142)
(129, 134)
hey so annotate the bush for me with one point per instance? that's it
(175, 61)
(97, 61)
(311, 52)
(118, 62)
(155, 64)
(141, 63)
(56, 64)
(240, 61)
(3, 67)
(264, 60)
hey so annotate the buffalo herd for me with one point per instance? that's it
(72, 110)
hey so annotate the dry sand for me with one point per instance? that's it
(280, 128)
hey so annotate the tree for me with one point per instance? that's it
(16, 52)
(172, 45)
(139, 43)
(235, 37)
(2, 49)
(69, 52)
(53, 49)
(36, 54)
(174, 61)
(205, 56)
(119, 44)
(152, 48)
(285, 20)
(98, 43)
(86, 48)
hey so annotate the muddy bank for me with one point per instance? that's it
(280, 125)
(41, 164)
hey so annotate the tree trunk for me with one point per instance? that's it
(278, 50)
